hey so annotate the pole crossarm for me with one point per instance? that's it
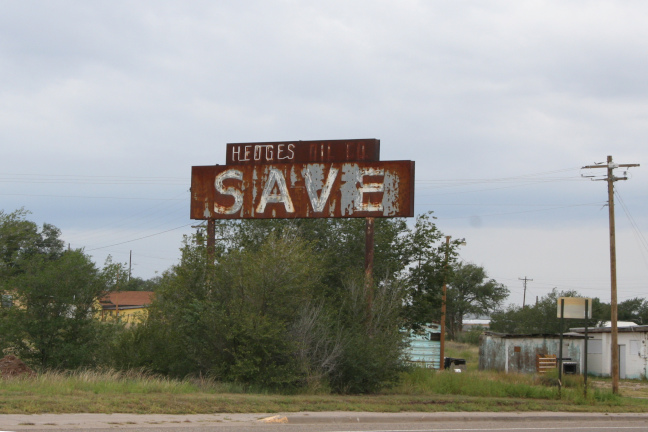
(613, 166)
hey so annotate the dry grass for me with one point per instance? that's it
(111, 391)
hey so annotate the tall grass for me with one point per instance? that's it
(498, 384)
(113, 381)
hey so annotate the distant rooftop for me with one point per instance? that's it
(128, 298)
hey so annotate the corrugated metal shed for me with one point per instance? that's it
(518, 353)
(424, 348)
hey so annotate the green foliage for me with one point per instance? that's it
(429, 262)
(230, 320)
(51, 321)
(21, 240)
(471, 292)
(54, 325)
(471, 336)
(263, 315)
(371, 356)
(634, 310)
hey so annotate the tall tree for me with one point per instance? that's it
(52, 324)
(470, 291)
(430, 262)
(49, 321)
(21, 239)
(634, 310)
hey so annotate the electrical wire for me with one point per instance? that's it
(140, 238)
(641, 239)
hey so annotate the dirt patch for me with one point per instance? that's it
(12, 366)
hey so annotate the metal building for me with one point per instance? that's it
(424, 348)
(521, 353)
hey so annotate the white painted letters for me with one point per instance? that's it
(275, 177)
(314, 179)
(237, 194)
(369, 188)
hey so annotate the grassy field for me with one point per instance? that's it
(420, 390)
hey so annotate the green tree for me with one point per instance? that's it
(231, 319)
(470, 291)
(49, 321)
(339, 244)
(52, 324)
(430, 261)
(21, 239)
(634, 310)
(261, 315)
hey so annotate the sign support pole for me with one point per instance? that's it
(211, 239)
(369, 258)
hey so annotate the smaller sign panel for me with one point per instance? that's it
(575, 307)
(357, 150)
(313, 190)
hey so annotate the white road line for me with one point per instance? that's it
(501, 429)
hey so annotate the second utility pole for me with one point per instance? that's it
(613, 301)
(524, 295)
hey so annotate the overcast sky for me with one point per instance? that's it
(106, 105)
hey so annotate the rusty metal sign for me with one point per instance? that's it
(357, 150)
(303, 190)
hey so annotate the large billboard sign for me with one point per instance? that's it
(303, 179)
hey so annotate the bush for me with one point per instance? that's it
(471, 336)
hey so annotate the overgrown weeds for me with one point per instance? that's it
(103, 381)
(139, 391)
(502, 385)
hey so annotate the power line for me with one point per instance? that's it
(140, 238)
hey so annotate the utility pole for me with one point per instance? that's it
(610, 178)
(524, 295)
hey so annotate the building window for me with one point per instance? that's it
(595, 346)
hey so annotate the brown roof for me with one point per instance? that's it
(128, 298)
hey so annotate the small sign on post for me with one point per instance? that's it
(575, 307)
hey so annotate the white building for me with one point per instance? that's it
(633, 351)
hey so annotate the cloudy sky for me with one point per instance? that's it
(106, 105)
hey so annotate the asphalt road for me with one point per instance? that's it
(330, 422)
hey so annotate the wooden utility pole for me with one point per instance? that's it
(443, 304)
(610, 178)
(524, 295)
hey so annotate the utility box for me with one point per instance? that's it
(454, 364)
